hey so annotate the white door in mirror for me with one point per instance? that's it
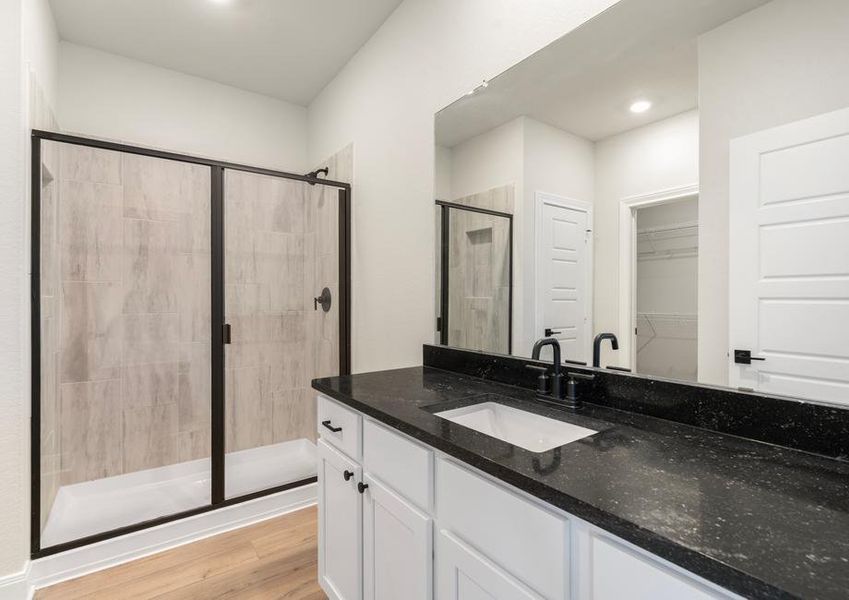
(789, 258)
(563, 276)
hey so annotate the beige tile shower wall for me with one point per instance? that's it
(132, 298)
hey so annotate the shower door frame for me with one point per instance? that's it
(445, 208)
(217, 396)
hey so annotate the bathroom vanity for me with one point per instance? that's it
(417, 505)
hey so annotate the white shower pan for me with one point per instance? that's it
(92, 507)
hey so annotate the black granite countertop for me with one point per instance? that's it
(758, 519)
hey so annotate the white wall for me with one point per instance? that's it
(785, 61)
(442, 175)
(426, 55)
(28, 42)
(660, 156)
(13, 495)
(109, 96)
(41, 47)
(489, 160)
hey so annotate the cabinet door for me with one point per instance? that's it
(397, 546)
(340, 532)
(462, 574)
(617, 572)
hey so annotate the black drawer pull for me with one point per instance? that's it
(331, 427)
(347, 474)
(361, 487)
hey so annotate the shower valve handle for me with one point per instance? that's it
(324, 300)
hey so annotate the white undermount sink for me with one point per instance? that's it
(519, 427)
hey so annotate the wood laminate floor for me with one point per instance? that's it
(273, 559)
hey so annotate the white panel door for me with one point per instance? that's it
(397, 546)
(789, 258)
(463, 574)
(339, 525)
(563, 278)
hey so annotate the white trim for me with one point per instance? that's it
(109, 553)
(627, 257)
(17, 586)
(541, 198)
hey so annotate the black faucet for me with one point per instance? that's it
(555, 394)
(556, 375)
(597, 346)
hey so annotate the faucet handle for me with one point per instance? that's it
(542, 378)
(572, 400)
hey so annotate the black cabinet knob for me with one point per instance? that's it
(347, 474)
(361, 487)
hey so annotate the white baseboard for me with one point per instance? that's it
(17, 585)
(108, 553)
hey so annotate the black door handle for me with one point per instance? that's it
(551, 332)
(361, 487)
(347, 474)
(331, 427)
(744, 357)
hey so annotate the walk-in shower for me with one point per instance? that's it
(475, 282)
(176, 326)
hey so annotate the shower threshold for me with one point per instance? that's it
(92, 507)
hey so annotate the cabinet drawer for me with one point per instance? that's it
(521, 538)
(402, 464)
(340, 426)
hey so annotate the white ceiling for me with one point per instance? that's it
(288, 49)
(585, 82)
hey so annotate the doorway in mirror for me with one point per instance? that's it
(666, 289)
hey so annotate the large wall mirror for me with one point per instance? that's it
(675, 178)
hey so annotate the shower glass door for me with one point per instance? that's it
(476, 278)
(121, 363)
(282, 309)
(180, 309)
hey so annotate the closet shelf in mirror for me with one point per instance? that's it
(651, 325)
(676, 240)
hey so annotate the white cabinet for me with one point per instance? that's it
(397, 546)
(377, 527)
(522, 538)
(463, 574)
(374, 542)
(610, 570)
(339, 524)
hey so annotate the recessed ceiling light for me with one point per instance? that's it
(640, 106)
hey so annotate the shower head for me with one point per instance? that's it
(314, 174)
